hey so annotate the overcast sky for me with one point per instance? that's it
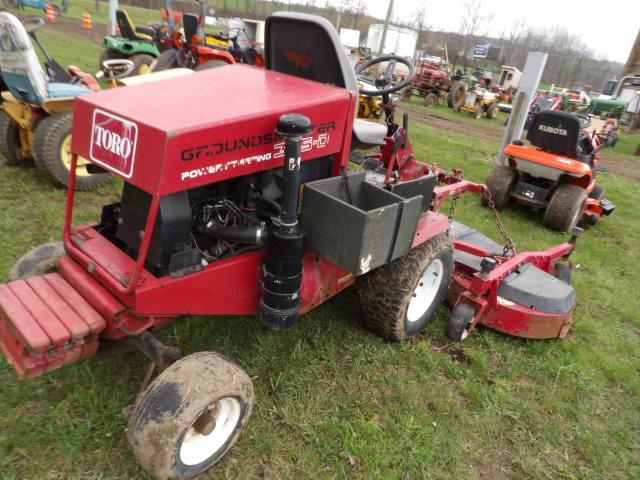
(608, 27)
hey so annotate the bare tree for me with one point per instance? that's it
(473, 22)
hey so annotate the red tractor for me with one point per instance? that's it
(212, 222)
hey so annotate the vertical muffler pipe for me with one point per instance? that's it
(282, 271)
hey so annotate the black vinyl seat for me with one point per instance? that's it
(308, 46)
(128, 29)
(560, 133)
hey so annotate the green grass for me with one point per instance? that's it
(335, 401)
(627, 143)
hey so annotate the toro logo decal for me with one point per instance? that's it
(113, 142)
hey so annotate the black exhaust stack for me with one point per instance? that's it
(282, 271)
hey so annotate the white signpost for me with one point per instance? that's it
(529, 82)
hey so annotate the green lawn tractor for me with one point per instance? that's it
(138, 44)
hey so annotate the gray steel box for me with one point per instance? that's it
(358, 237)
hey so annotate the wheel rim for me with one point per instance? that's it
(210, 431)
(65, 156)
(426, 291)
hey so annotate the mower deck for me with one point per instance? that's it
(45, 324)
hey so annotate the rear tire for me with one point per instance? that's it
(565, 208)
(492, 111)
(166, 60)
(190, 416)
(40, 260)
(460, 321)
(9, 139)
(52, 155)
(141, 63)
(500, 183)
(208, 65)
(399, 300)
(430, 100)
(456, 96)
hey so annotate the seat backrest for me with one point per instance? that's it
(555, 132)
(307, 46)
(19, 65)
(126, 25)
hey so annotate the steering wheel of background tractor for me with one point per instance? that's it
(384, 81)
(32, 24)
(115, 69)
(585, 120)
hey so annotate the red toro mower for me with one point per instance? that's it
(211, 222)
(557, 173)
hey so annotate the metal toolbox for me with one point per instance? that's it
(377, 227)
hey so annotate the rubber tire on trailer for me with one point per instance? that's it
(166, 60)
(107, 55)
(174, 401)
(597, 193)
(563, 273)
(56, 9)
(49, 136)
(430, 100)
(461, 316)
(386, 293)
(611, 140)
(208, 65)
(492, 111)
(40, 260)
(455, 97)
(500, 183)
(140, 60)
(9, 139)
(565, 207)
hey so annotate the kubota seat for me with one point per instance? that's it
(561, 133)
(308, 46)
(129, 30)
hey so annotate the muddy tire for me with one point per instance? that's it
(500, 183)
(565, 208)
(52, 153)
(597, 193)
(9, 140)
(563, 273)
(190, 416)
(211, 64)
(141, 63)
(460, 321)
(455, 99)
(39, 261)
(430, 100)
(478, 111)
(166, 60)
(399, 300)
(492, 111)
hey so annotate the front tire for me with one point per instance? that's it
(459, 324)
(500, 183)
(208, 65)
(40, 260)
(9, 139)
(430, 100)
(52, 153)
(399, 300)
(190, 416)
(492, 111)
(565, 207)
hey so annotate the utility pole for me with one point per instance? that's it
(386, 27)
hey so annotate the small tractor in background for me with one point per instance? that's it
(138, 44)
(36, 112)
(480, 101)
(247, 207)
(192, 47)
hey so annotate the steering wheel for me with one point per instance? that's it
(585, 120)
(384, 81)
(32, 24)
(115, 69)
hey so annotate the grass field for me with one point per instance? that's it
(335, 401)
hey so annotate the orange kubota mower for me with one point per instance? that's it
(557, 171)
